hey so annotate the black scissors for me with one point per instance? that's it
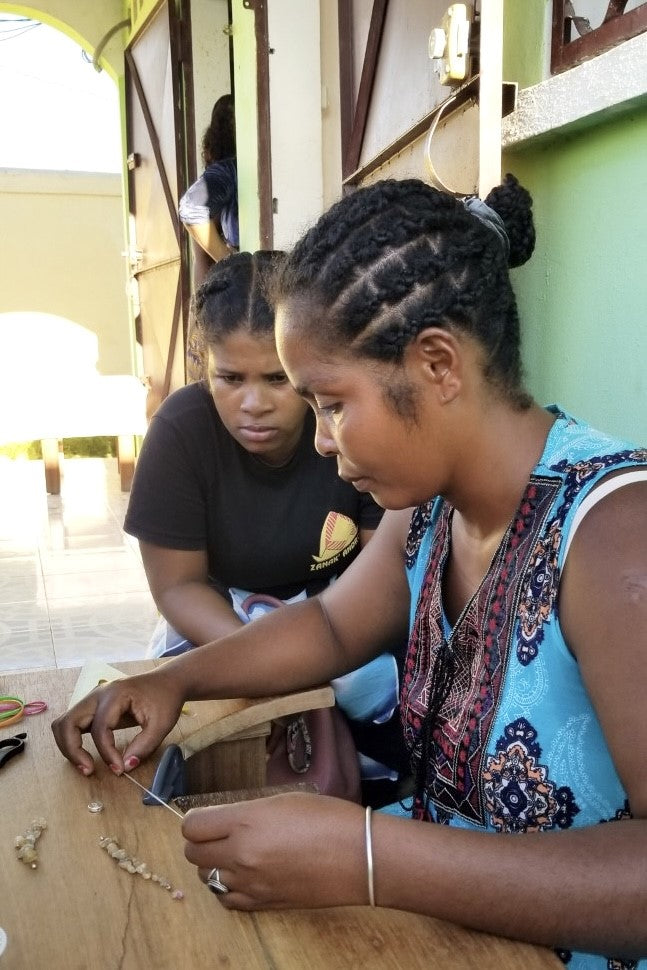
(11, 746)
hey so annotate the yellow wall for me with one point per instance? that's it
(330, 107)
(140, 11)
(61, 253)
(85, 23)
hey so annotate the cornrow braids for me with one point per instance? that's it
(397, 257)
(233, 297)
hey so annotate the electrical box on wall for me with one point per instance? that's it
(449, 44)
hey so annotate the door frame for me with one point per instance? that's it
(179, 28)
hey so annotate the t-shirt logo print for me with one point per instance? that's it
(339, 537)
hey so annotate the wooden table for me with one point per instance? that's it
(78, 910)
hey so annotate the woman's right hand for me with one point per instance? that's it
(153, 701)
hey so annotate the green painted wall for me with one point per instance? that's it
(524, 28)
(583, 295)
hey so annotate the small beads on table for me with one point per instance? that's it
(26, 844)
(135, 866)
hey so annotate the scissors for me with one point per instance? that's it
(11, 746)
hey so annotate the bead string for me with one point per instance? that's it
(130, 863)
(26, 844)
(26, 848)
(135, 866)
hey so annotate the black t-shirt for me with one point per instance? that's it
(265, 529)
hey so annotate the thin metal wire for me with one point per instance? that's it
(153, 795)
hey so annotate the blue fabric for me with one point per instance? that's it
(521, 748)
(369, 693)
(167, 642)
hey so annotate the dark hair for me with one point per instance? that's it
(219, 139)
(398, 256)
(233, 297)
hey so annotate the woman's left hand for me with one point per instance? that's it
(286, 851)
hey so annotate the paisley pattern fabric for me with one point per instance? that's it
(519, 793)
(517, 746)
(480, 647)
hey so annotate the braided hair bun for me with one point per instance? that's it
(513, 204)
(399, 256)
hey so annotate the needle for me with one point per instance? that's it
(153, 795)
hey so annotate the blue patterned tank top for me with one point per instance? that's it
(518, 746)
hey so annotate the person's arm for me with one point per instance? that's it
(369, 516)
(208, 238)
(584, 889)
(298, 646)
(199, 207)
(179, 584)
(364, 536)
(202, 263)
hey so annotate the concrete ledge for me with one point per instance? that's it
(607, 85)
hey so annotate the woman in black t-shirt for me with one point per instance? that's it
(235, 510)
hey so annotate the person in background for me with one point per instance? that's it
(209, 208)
(209, 212)
(521, 575)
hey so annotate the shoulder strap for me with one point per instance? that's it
(605, 488)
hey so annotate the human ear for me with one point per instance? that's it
(438, 354)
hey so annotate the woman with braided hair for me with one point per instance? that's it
(514, 550)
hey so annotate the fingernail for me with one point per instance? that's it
(131, 762)
(84, 771)
(116, 769)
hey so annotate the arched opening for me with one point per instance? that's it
(62, 187)
(73, 588)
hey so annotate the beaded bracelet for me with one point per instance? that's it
(369, 856)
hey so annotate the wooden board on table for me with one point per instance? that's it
(251, 713)
(207, 799)
(206, 722)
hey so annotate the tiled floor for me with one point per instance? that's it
(72, 586)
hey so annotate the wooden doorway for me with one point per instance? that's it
(161, 162)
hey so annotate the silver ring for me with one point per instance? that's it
(214, 883)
